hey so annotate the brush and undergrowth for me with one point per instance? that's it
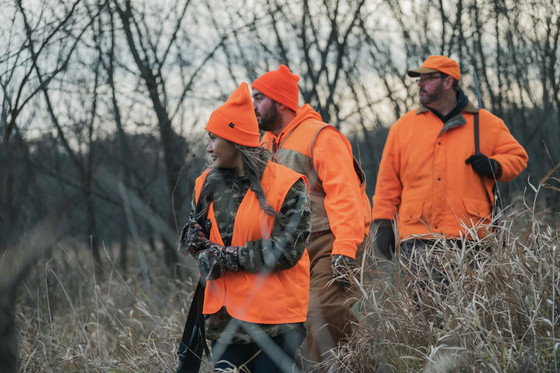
(498, 310)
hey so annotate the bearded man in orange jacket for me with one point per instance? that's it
(340, 209)
(432, 182)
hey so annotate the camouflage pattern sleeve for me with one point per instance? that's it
(290, 235)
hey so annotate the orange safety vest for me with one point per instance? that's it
(265, 298)
(295, 148)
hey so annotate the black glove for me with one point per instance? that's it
(384, 238)
(216, 259)
(344, 268)
(191, 237)
(485, 166)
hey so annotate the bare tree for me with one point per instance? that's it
(150, 58)
(21, 81)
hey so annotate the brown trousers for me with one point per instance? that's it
(329, 319)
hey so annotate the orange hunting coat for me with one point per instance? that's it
(267, 298)
(324, 155)
(423, 182)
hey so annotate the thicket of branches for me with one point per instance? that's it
(103, 102)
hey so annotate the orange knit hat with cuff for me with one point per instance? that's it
(235, 120)
(279, 85)
(433, 64)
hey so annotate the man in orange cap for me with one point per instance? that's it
(340, 209)
(432, 179)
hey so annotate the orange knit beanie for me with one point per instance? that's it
(235, 120)
(279, 85)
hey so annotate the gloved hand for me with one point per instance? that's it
(485, 166)
(215, 259)
(191, 237)
(344, 268)
(208, 261)
(384, 238)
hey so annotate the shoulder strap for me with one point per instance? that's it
(476, 135)
(493, 206)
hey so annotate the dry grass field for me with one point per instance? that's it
(499, 313)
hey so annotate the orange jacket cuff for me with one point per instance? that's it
(346, 251)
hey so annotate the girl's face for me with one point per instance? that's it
(224, 153)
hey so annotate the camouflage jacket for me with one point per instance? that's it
(286, 245)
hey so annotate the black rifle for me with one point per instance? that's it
(496, 205)
(193, 341)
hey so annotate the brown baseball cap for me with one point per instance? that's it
(434, 64)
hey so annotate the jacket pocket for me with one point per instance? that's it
(476, 207)
(411, 210)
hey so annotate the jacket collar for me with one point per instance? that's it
(456, 120)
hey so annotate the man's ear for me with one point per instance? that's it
(448, 82)
(283, 108)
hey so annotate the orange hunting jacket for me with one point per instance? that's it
(323, 154)
(424, 181)
(265, 298)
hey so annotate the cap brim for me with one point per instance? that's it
(421, 70)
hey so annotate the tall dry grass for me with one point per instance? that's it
(499, 312)
(72, 318)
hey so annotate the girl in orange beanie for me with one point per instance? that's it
(248, 231)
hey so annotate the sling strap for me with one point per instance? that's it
(495, 205)
(193, 340)
(476, 135)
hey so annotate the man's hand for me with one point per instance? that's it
(384, 238)
(344, 268)
(485, 166)
(191, 237)
(215, 259)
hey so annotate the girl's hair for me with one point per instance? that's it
(254, 161)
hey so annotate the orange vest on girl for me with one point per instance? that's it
(265, 298)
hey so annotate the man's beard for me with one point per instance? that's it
(271, 120)
(436, 95)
